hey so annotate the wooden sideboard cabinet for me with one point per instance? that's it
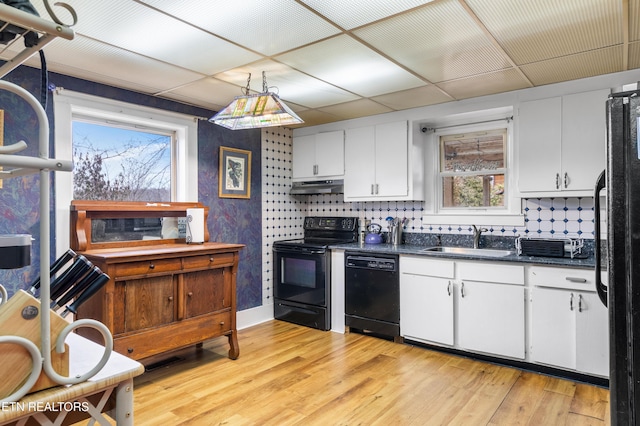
(163, 294)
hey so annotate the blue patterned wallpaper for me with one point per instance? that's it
(20, 196)
(233, 220)
(230, 220)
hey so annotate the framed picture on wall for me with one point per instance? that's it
(234, 173)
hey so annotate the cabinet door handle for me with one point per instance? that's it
(377, 189)
(449, 288)
(190, 294)
(557, 180)
(576, 280)
(221, 323)
(371, 189)
(571, 302)
(462, 289)
(566, 179)
(579, 303)
(315, 169)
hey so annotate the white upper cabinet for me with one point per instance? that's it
(539, 139)
(561, 144)
(318, 156)
(379, 164)
(584, 139)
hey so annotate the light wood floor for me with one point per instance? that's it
(292, 375)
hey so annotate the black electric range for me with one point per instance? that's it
(302, 270)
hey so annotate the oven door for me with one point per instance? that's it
(301, 276)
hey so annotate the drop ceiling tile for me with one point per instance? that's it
(355, 109)
(91, 60)
(634, 20)
(151, 33)
(634, 56)
(291, 85)
(267, 27)
(313, 117)
(429, 42)
(209, 92)
(486, 84)
(582, 65)
(354, 13)
(535, 30)
(412, 98)
(343, 62)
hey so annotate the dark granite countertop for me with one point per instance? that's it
(412, 249)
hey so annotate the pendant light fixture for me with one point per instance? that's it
(264, 109)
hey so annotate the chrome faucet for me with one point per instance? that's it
(476, 235)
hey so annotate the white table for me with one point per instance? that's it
(69, 404)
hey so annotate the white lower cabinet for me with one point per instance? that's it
(439, 306)
(491, 308)
(569, 330)
(569, 324)
(540, 314)
(426, 300)
(491, 318)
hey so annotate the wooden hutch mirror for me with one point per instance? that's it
(105, 224)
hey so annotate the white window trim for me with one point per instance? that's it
(68, 103)
(511, 215)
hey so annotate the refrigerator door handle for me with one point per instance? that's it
(600, 287)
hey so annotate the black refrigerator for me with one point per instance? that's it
(620, 291)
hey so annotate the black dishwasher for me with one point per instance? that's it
(372, 293)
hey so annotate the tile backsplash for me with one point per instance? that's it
(544, 217)
(282, 214)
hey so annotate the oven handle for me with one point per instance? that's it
(299, 251)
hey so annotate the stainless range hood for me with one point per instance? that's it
(318, 187)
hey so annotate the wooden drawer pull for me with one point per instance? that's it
(221, 323)
(130, 350)
(152, 266)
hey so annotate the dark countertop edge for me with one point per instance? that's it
(408, 249)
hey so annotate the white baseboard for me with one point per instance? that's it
(254, 316)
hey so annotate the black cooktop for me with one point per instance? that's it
(319, 232)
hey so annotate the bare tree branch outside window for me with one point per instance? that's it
(112, 163)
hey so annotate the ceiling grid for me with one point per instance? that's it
(336, 60)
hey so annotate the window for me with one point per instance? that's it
(72, 108)
(472, 169)
(119, 162)
(469, 170)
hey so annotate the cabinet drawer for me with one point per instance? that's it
(178, 334)
(222, 322)
(207, 261)
(422, 266)
(491, 272)
(569, 278)
(147, 267)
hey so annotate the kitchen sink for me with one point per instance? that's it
(485, 252)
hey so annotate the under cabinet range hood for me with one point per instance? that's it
(318, 187)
